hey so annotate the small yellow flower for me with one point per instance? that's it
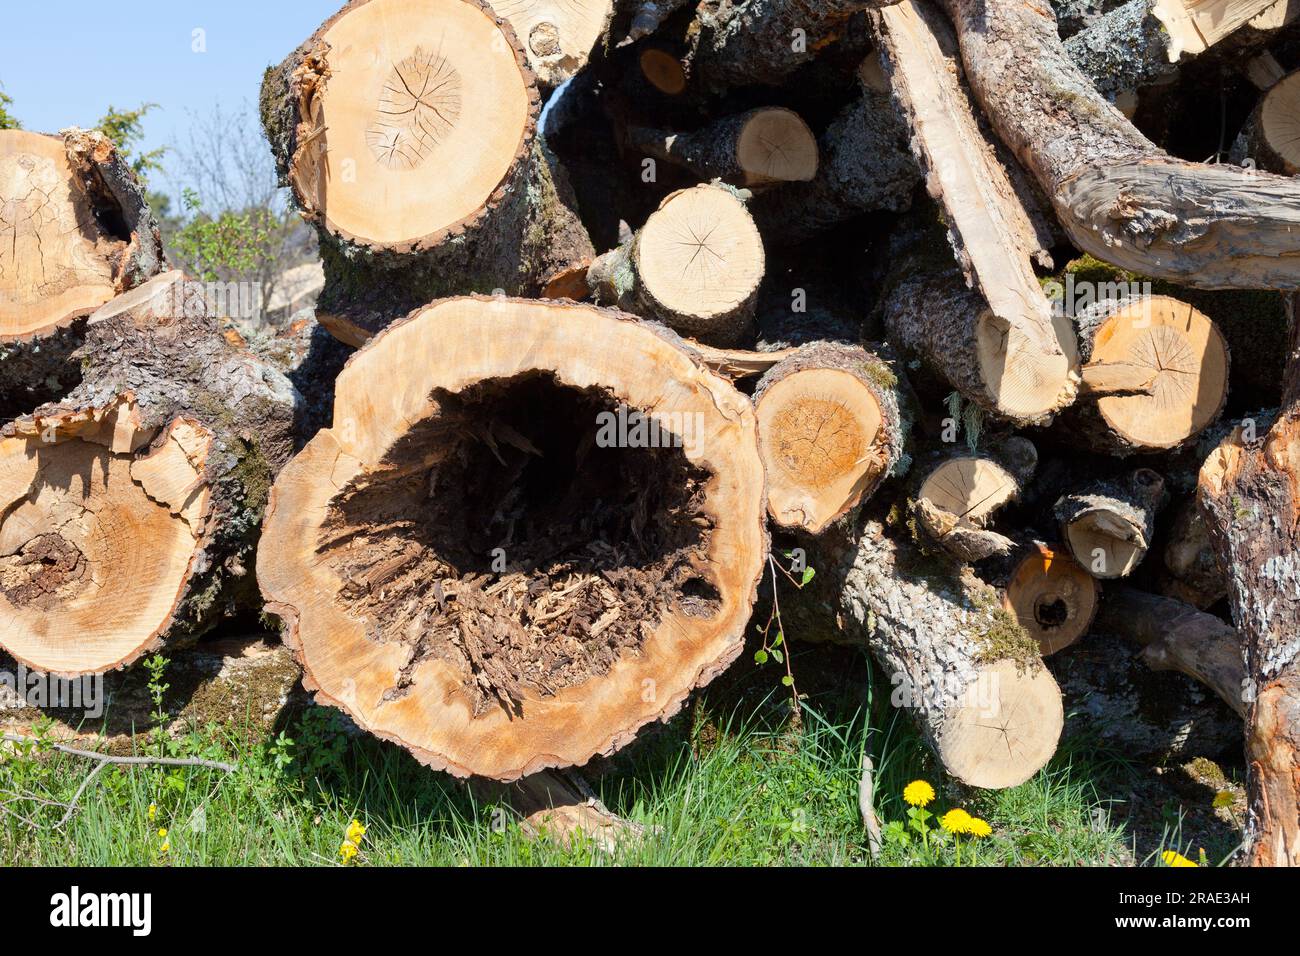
(1222, 799)
(356, 830)
(918, 793)
(978, 828)
(956, 821)
(162, 832)
(153, 812)
(1175, 859)
(347, 852)
(166, 845)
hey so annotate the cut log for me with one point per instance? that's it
(957, 495)
(406, 131)
(928, 310)
(1109, 526)
(995, 237)
(864, 166)
(1155, 375)
(77, 232)
(1192, 570)
(1176, 637)
(558, 37)
(763, 41)
(829, 431)
(1123, 50)
(969, 675)
(131, 509)
(1053, 598)
(754, 149)
(695, 265)
(663, 71)
(1274, 128)
(541, 535)
(1250, 492)
(1193, 26)
(1117, 195)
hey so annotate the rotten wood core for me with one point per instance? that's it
(517, 553)
(1051, 595)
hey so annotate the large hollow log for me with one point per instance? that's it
(830, 431)
(969, 675)
(407, 132)
(1155, 375)
(695, 265)
(1250, 492)
(131, 508)
(1117, 195)
(77, 231)
(539, 536)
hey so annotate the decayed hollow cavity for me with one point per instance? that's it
(99, 526)
(507, 536)
(492, 405)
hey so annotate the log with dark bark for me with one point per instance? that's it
(1177, 637)
(755, 149)
(695, 265)
(77, 231)
(538, 537)
(1191, 568)
(1117, 195)
(1250, 492)
(957, 495)
(830, 430)
(1110, 525)
(131, 508)
(407, 132)
(864, 166)
(1155, 375)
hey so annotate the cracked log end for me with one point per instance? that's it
(1181, 359)
(102, 521)
(776, 146)
(495, 560)
(414, 114)
(828, 430)
(1053, 598)
(1006, 729)
(57, 262)
(700, 261)
(1277, 129)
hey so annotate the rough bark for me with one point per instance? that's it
(864, 166)
(1122, 50)
(1250, 492)
(1177, 637)
(829, 430)
(188, 432)
(77, 232)
(387, 254)
(1192, 572)
(470, 566)
(1117, 195)
(1109, 526)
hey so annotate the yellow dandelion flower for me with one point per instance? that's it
(1175, 859)
(348, 852)
(918, 793)
(166, 845)
(356, 830)
(978, 828)
(162, 832)
(1222, 799)
(956, 821)
(153, 812)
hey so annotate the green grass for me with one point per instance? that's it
(732, 781)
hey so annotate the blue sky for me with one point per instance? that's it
(65, 61)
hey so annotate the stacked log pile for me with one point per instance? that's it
(647, 293)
